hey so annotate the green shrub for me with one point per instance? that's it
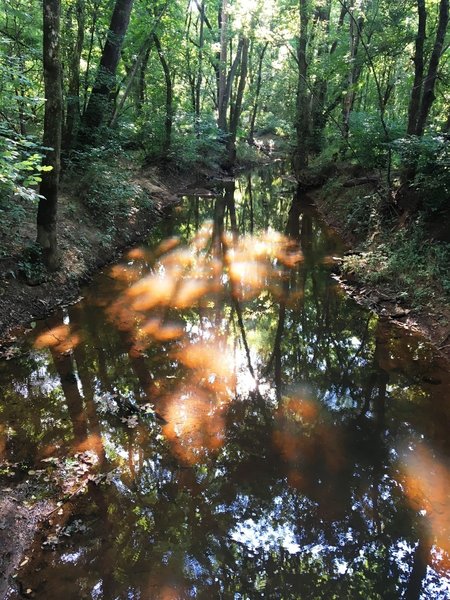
(409, 262)
(430, 155)
(368, 139)
(107, 191)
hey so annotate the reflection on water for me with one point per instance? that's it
(262, 436)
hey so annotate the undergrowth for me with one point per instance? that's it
(405, 260)
(106, 188)
(414, 267)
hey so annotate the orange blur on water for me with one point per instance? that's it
(427, 487)
(311, 449)
(61, 339)
(195, 423)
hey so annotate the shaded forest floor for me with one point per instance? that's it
(399, 268)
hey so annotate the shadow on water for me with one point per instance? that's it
(249, 431)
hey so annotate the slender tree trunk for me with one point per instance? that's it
(169, 98)
(89, 56)
(100, 99)
(237, 108)
(300, 156)
(251, 133)
(73, 111)
(143, 52)
(47, 209)
(416, 92)
(430, 80)
(141, 88)
(222, 102)
(198, 87)
(318, 117)
(356, 27)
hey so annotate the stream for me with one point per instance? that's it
(219, 420)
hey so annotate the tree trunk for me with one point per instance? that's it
(73, 111)
(416, 92)
(356, 27)
(237, 108)
(318, 117)
(141, 87)
(169, 98)
(47, 209)
(300, 156)
(100, 100)
(144, 52)
(222, 102)
(92, 32)
(198, 86)
(430, 80)
(251, 133)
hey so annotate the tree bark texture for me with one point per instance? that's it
(102, 91)
(430, 79)
(169, 98)
(300, 156)
(222, 75)
(251, 133)
(356, 27)
(47, 209)
(418, 60)
(73, 111)
(237, 108)
(198, 85)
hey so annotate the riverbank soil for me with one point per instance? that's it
(98, 217)
(398, 268)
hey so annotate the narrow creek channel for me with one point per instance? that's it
(223, 422)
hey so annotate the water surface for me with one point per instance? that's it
(222, 422)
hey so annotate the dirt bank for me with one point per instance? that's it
(88, 239)
(419, 304)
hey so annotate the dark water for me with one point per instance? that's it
(222, 422)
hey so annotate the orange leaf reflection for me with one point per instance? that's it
(312, 450)
(60, 338)
(124, 273)
(141, 254)
(212, 364)
(427, 487)
(162, 331)
(200, 274)
(196, 425)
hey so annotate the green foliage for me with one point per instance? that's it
(31, 264)
(20, 168)
(272, 124)
(430, 155)
(20, 165)
(200, 145)
(408, 263)
(368, 139)
(107, 191)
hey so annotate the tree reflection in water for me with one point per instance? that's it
(300, 446)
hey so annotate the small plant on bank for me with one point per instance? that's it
(413, 267)
(31, 265)
(108, 193)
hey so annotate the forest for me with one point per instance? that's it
(224, 299)
(91, 88)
